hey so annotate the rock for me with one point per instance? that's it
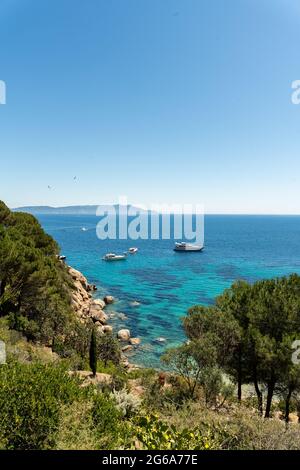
(161, 340)
(100, 303)
(125, 363)
(87, 308)
(128, 347)
(98, 316)
(135, 341)
(77, 276)
(87, 377)
(124, 335)
(107, 329)
(99, 328)
(108, 299)
(91, 288)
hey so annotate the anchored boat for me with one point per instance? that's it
(132, 251)
(114, 257)
(183, 246)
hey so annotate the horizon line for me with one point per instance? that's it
(161, 213)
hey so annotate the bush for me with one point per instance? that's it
(107, 420)
(127, 403)
(108, 349)
(155, 434)
(31, 397)
(76, 429)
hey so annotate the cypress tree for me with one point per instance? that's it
(93, 352)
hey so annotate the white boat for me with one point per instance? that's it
(133, 250)
(183, 246)
(114, 257)
(61, 257)
(84, 229)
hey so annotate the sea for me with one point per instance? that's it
(155, 287)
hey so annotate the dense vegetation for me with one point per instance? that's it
(35, 286)
(247, 336)
(232, 385)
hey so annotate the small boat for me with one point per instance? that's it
(114, 257)
(132, 250)
(183, 246)
(61, 257)
(84, 229)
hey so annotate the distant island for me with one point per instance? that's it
(75, 210)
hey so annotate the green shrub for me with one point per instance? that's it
(31, 397)
(107, 420)
(155, 434)
(108, 349)
(126, 402)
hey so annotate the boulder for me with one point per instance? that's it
(98, 316)
(135, 341)
(99, 328)
(160, 340)
(108, 299)
(128, 347)
(100, 303)
(124, 335)
(91, 288)
(100, 379)
(107, 329)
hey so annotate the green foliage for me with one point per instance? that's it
(249, 333)
(31, 397)
(107, 420)
(195, 363)
(34, 285)
(108, 349)
(126, 402)
(155, 434)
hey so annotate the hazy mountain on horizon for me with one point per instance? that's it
(73, 210)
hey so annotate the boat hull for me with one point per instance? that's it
(188, 249)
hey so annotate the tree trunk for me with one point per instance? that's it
(271, 386)
(258, 392)
(287, 405)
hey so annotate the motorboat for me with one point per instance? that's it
(183, 246)
(133, 250)
(84, 229)
(114, 257)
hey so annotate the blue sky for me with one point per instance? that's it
(174, 101)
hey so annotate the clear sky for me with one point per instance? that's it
(175, 101)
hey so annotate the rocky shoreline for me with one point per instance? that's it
(88, 309)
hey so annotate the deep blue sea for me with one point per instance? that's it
(156, 286)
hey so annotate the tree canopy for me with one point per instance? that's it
(249, 335)
(34, 285)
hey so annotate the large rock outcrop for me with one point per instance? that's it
(85, 306)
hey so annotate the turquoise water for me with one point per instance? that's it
(155, 287)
